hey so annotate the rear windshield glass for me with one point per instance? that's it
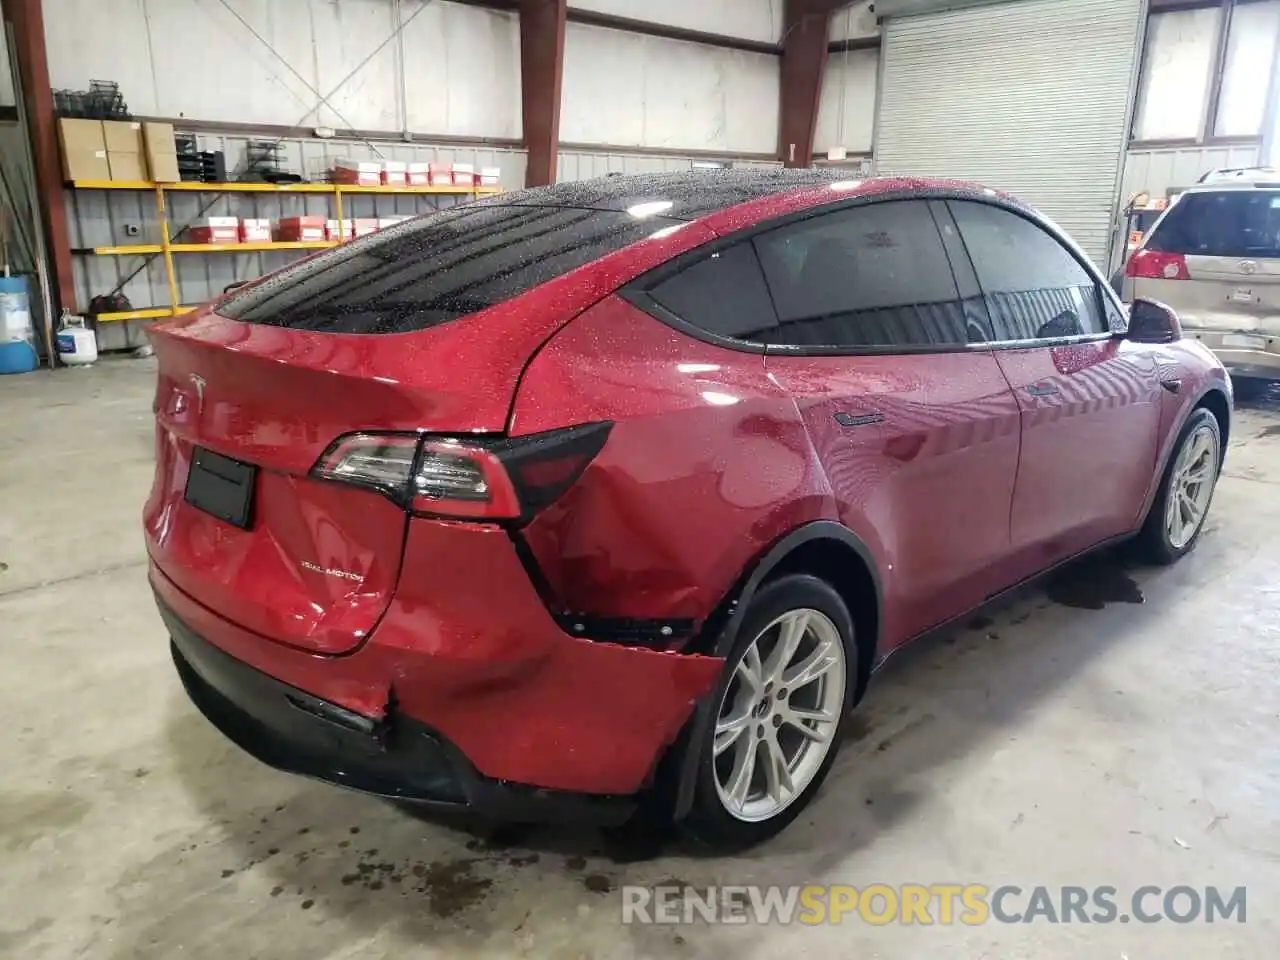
(1228, 223)
(435, 269)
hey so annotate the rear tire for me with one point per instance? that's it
(1186, 491)
(778, 714)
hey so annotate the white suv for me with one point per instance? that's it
(1214, 256)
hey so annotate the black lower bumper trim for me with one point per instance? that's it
(395, 757)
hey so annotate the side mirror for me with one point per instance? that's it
(1150, 321)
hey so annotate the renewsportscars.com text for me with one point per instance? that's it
(931, 904)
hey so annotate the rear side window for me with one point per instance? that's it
(870, 276)
(1225, 223)
(435, 269)
(724, 294)
(1035, 287)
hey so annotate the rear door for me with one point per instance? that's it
(1215, 258)
(917, 432)
(1090, 401)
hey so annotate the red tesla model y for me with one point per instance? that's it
(552, 503)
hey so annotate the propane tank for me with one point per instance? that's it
(77, 344)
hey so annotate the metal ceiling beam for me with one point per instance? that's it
(37, 97)
(542, 24)
(648, 28)
(805, 28)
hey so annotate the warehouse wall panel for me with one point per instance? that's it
(588, 164)
(1157, 171)
(747, 19)
(847, 108)
(195, 59)
(627, 90)
(854, 22)
(462, 72)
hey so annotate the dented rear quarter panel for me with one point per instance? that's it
(708, 464)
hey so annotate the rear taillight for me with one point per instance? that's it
(1157, 265)
(465, 477)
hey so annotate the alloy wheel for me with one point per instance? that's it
(1191, 486)
(779, 715)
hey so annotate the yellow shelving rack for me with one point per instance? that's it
(166, 248)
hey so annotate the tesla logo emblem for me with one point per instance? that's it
(197, 381)
(1248, 267)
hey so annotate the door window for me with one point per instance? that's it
(874, 276)
(1035, 287)
(724, 294)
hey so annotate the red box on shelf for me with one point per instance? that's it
(394, 173)
(490, 176)
(214, 230)
(357, 173)
(300, 229)
(255, 230)
(439, 175)
(417, 174)
(365, 225)
(464, 175)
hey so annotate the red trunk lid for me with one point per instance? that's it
(319, 560)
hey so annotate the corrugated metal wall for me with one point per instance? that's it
(100, 217)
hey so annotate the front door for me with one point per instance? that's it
(1090, 402)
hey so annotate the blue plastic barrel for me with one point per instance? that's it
(17, 340)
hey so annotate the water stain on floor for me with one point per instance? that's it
(1093, 585)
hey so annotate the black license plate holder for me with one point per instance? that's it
(222, 487)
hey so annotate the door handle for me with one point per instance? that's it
(858, 419)
(1042, 389)
(1173, 385)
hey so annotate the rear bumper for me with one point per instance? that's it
(468, 652)
(1259, 359)
(393, 756)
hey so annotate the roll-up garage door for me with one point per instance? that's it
(1028, 96)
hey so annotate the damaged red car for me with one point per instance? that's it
(618, 491)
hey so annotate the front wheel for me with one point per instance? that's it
(779, 709)
(1182, 503)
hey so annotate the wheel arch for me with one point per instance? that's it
(1212, 398)
(824, 548)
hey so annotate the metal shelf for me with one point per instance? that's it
(151, 313)
(167, 249)
(192, 187)
(145, 249)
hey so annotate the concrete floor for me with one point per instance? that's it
(1136, 743)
